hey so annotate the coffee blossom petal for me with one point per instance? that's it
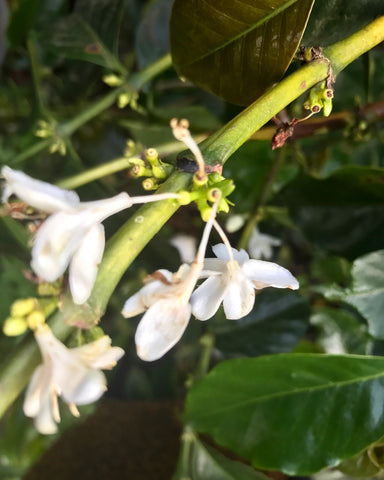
(38, 194)
(267, 274)
(161, 328)
(206, 299)
(84, 264)
(239, 298)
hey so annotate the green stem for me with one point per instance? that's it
(31, 151)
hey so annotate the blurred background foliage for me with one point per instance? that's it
(322, 194)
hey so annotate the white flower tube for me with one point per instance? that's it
(73, 374)
(233, 281)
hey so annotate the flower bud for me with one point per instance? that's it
(14, 326)
(23, 306)
(35, 318)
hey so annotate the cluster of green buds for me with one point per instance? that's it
(129, 94)
(320, 97)
(48, 130)
(206, 194)
(153, 168)
(28, 313)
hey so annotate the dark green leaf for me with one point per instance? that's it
(209, 464)
(72, 37)
(367, 293)
(342, 213)
(296, 413)
(152, 35)
(275, 325)
(236, 50)
(333, 20)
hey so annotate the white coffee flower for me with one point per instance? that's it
(165, 299)
(72, 235)
(260, 244)
(233, 283)
(73, 374)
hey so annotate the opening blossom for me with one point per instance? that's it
(232, 280)
(73, 374)
(72, 235)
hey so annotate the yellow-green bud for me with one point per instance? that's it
(35, 318)
(112, 80)
(23, 306)
(327, 105)
(152, 156)
(206, 213)
(158, 172)
(185, 198)
(199, 181)
(14, 326)
(213, 194)
(123, 100)
(149, 184)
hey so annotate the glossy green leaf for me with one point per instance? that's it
(367, 293)
(209, 464)
(275, 325)
(236, 50)
(296, 413)
(342, 213)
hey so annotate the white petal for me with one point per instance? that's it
(260, 244)
(268, 274)
(239, 298)
(84, 264)
(147, 295)
(220, 250)
(55, 243)
(38, 194)
(206, 299)
(98, 354)
(83, 386)
(44, 420)
(31, 405)
(161, 328)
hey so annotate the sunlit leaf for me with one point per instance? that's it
(296, 413)
(236, 50)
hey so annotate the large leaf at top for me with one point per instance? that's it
(342, 213)
(296, 413)
(236, 49)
